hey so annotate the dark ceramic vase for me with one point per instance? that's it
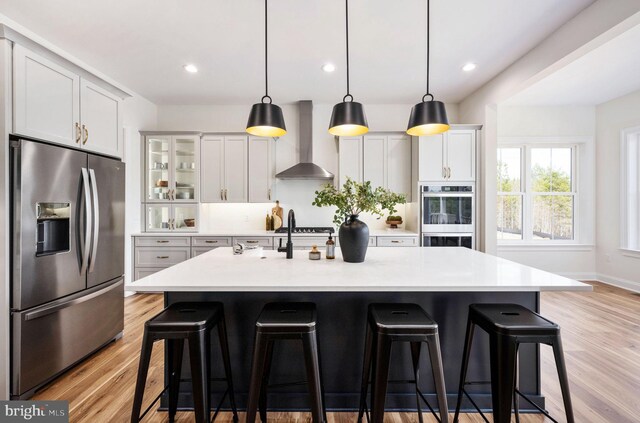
(354, 240)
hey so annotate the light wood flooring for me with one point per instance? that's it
(601, 336)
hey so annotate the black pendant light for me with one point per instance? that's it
(265, 119)
(348, 118)
(428, 117)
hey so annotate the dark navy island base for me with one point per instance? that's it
(341, 333)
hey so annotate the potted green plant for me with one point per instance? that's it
(351, 200)
(394, 221)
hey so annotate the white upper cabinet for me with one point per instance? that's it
(399, 164)
(55, 104)
(448, 157)
(350, 159)
(101, 114)
(431, 158)
(375, 160)
(223, 176)
(235, 169)
(261, 170)
(382, 159)
(46, 99)
(461, 155)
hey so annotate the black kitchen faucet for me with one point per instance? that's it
(291, 225)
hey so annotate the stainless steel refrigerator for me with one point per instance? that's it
(67, 260)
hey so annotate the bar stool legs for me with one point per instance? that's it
(176, 347)
(143, 370)
(389, 323)
(310, 346)
(508, 326)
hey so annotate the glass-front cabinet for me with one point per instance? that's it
(171, 191)
(172, 167)
(171, 217)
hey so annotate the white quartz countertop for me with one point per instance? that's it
(445, 269)
(258, 232)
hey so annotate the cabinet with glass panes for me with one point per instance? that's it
(171, 178)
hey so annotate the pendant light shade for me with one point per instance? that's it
(428, 117)
(348, 118)
(265, 118)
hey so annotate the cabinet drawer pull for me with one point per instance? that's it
(162, 241)
(162, 257)
(221, 194)
(395, 241)
(250, 241)
(211, 242)
(78, 133)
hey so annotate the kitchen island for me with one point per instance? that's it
(444, 281)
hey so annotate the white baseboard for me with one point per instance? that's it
(620, 283)
(129, 293)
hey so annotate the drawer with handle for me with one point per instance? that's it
(211, 241)
(163, 241)
(404, 241)
(141, 272)
(254, 241)
(161, 257)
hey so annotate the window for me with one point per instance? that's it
(536, 193)
(630, 189)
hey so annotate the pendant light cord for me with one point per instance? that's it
(347, 38)
(266, 46)
(428, 94)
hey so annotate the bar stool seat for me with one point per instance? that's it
(191, 322)
(389, 323)
(509, 325)
(280, 321)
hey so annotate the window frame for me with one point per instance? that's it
(625, 135)
(528, 195)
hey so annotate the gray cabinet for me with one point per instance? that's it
(224, 169)
(152, 254)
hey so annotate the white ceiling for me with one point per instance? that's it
(607, 72)
(144, 43)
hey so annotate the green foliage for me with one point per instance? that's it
(355, 198)
(394, 218)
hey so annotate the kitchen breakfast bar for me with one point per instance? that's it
(443, 281)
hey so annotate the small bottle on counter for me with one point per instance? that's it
(268, 223)
(314, 254)
(331, 249)
(272, 223)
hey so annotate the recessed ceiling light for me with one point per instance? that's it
(469, 67)
(328, 67)
(190, 68)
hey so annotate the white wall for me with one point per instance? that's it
(292, 194)
(549, 124)
(612, 264)
(595, 25)
(139, 114)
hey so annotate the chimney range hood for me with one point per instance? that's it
(306, 169)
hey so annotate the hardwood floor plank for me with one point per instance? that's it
(601, 336)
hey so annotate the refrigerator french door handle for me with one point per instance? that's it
(96, 219)
(45, 311)
(89, 221)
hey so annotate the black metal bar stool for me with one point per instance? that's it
(388, 323)
(279, 321)
(192, 322)
(508, 326)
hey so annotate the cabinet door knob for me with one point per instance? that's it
(269, 194)
(86, 134)
(225, 195)
(78, 133)
(221, 194)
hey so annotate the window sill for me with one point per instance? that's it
(546, 247)
(630, 253)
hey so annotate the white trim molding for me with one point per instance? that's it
(619, 282)
(544, 247)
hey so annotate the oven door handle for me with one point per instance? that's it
(447, 194)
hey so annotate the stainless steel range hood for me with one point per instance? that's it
(306, 169)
